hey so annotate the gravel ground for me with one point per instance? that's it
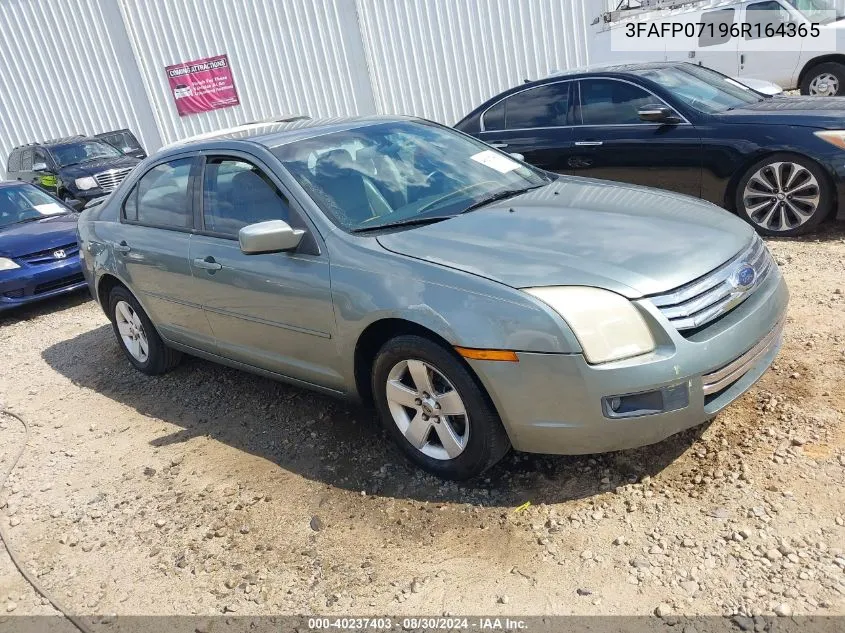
(211, 491)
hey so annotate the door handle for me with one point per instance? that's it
(588, 143)
(498, 145)
(742, 59)
(207, 264)
(123, 247)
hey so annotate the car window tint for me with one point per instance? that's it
(608, 102)
(163, 195)
(14, 161)
(544, 106)
(764, 14)
(715, 27)
(237, 193)
(26, 160)
(494, 118)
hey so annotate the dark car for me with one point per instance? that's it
(778, 162)
(39, 256)
(75, 169)
(125, 142)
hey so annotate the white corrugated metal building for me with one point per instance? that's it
(89, 66)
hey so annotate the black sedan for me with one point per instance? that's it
(779, 162)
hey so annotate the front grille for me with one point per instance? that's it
(56, 284)
(51, 254)
(704, 300)
(109, 180)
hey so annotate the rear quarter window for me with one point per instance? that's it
(14, 163)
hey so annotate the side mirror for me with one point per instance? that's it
(39, 167)
(272, 236)
(517, 156)
(657, 114)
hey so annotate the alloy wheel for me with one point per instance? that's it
(427, 409)
(131, 331)
(781, 196)
(824, 85)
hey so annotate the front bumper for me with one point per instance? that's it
(556, 403)
(89, 194)
(33, 283)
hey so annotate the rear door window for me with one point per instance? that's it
(26, 160)
(162, 197)
(543, 106)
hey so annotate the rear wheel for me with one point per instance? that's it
(784, 195)
(435, 410)
(137, 336)
(824, 80)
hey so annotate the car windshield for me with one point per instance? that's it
(703, 89)
(123, 141)
(401, 173)
(821, 11)
(83, 152)
(26, 203)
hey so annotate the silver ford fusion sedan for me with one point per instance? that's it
(477, 302)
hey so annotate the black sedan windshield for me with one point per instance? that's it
(84, 151)
(703, 89)
(401, 173)
(25, 203)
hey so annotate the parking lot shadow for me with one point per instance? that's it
(328, 440)
(40, 308)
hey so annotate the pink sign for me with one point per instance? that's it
(202, 85)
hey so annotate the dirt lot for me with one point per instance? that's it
(210, 490)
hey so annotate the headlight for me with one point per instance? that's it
(7, 264)
(86, 183)
(607, 325)
(834, 137)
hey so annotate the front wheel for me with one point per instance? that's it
(784, 195)
(434, 409)
(824, 80)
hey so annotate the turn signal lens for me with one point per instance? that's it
(488, 354)
(834, 137)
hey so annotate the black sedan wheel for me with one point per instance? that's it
(784, 195)
(824, 80)
(435, 410)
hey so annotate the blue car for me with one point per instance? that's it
(39, 255)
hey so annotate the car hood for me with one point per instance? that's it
(576, 231)
(97, 166)
(817, 112)
(31, 237)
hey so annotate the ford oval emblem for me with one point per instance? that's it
(745, 276)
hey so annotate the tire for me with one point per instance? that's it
(831, 74)
(474, 440)
(794, 210)
(158, 359)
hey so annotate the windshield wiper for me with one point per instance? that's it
(27, 220)
(501, 195)
(409, 222)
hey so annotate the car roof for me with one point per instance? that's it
(277, 132)
(628, 67)
(5, 184)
